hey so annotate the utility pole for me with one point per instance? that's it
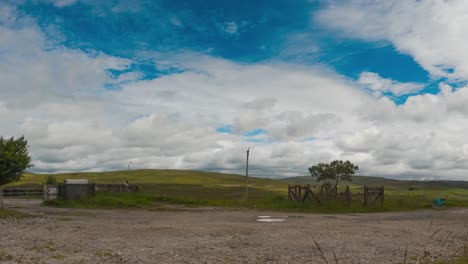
(247, 176)
(128, 171)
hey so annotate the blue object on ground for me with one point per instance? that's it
(439, 202)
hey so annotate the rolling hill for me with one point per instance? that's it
(153, 176)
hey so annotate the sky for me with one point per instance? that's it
(191, 84)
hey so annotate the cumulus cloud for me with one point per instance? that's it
(32, 72)
(380, 85)
(230, 27)
(431, 31)
(62, 3)
(299, 115)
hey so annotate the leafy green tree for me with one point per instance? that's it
(330, 174)
(14, 159)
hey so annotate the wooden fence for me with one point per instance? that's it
(301, 193)
(103, 187)
(20, 192)
(75, 191)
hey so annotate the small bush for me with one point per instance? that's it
(50, 180)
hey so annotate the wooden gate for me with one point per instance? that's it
(372, 195)
(20, 196)
(20, 192)
(301, 193)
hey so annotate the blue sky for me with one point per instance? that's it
(239, 31)
(193, 84)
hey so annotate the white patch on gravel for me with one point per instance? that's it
(269, 219)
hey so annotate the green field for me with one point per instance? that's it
(217, 189)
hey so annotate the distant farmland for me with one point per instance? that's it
(218, 189)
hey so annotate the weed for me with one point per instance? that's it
(59, 257)
(6, 257)
(49, 180)
(6, 213)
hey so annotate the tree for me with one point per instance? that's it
(331, 174)
(14, 159)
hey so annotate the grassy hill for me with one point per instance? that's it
(151, 176)
(218, 189)
(180, 184)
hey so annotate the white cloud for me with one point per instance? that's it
(230, 27)
(62, 3)
(433, 32)
(32, 72)
(379, 85)
(55, 96)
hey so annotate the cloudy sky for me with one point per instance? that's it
(191, 84)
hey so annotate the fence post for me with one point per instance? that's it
(1, 197)
(347, 195)
(365, 196)
(93, 189)
(382, 199)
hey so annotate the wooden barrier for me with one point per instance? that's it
(372, 195)
(104, 187)
(21, 192)
(75, 191)
(301, 193)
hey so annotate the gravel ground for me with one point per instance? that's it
(213, 235)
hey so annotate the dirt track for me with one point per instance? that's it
(211, 235)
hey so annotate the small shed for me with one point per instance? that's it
(73, 189)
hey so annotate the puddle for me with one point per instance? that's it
(295, 216)
(329, 216)
(270, 219)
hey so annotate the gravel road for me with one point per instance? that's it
(212, 235)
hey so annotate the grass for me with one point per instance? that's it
(217, 189)
(261, 199)
(456, 260)
(154, 177)
(5, 213)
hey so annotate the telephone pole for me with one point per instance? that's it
(247, 176)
